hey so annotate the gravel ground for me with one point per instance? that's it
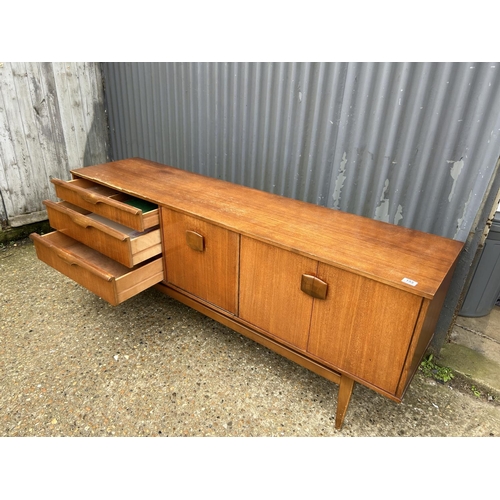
(72, 365)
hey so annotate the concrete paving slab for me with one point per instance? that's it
(72, 365)
(478, 342)
(473, 365)
(488, 326)
(474, 350)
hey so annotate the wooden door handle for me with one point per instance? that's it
(314, 286)
(195, 241)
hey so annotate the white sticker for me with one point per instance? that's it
(408, 281)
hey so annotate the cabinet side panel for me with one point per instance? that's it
(423, 336)
(270, 294)
(363, 327)
(212, 272)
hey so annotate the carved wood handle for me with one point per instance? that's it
(314, 286)
(86, 222)
(195, 241)
(70, 259)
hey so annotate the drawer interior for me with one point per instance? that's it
(103, 276)
(76, 253)
(98, 189)
(116, 226)
(110, 203)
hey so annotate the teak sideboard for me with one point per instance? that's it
(350, 298)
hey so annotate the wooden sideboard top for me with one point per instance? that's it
(375, 249)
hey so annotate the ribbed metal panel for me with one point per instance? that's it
(413, 144)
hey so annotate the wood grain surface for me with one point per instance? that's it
(106, 202)
(382, 251)
(270, 294)
(363, 327)
(101, 275)
(211, 274)
(125, 245)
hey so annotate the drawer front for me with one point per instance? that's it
(201, 258)
(119, 207)
(118, 242)
(101, 275)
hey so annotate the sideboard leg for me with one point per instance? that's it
(345, 391)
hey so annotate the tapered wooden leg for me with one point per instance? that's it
(345, 391)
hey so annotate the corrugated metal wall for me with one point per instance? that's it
(51, 120)
(413, 144)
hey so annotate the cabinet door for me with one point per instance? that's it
(201, 258)
(363, 327)
(270, 291)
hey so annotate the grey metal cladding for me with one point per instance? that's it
(413, 144)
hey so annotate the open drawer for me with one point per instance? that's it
(101, 275)
(121, 243)
(119, 207)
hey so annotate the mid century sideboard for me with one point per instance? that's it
(350, 298)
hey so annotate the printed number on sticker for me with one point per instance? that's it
(408, 281)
